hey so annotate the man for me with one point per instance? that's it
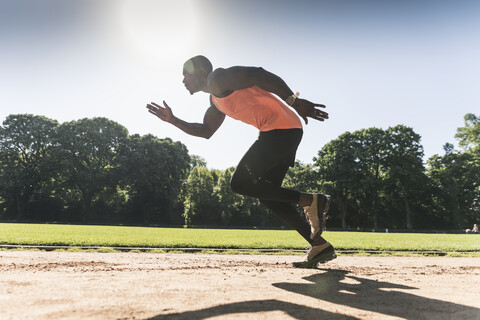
(246, 94)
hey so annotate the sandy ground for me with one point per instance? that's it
(85, 285)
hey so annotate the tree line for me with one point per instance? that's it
(94, 171)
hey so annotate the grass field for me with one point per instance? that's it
(119, 236)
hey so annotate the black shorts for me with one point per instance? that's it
(262, 169)
(271, 149)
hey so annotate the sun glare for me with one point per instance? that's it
(159, 30)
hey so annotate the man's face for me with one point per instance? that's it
(192, 81)
(193, 77)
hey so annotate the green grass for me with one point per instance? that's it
(404, 241)
(118, 236)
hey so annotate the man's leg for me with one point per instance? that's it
(320, 251)
(260, 174)
(286, 211)
(262, 169)
(272, 149)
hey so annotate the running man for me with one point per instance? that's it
(246, 94)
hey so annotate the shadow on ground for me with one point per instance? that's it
(337, 287)
(375, 296)
(256, 306)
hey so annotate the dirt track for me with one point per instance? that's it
(70, 285)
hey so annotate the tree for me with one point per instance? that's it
(89, 151)
(369, 171)
(456, 177)
(229, 203)
(26, 162)
(405, 173)
(153, 173)
(302, 177)
(469, 135)
(200, 205)
(371, 156)
(197, 161)
(338, 171)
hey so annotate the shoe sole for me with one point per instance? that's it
(320, 258)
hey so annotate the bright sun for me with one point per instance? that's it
(162, 30)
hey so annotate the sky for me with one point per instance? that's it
(373, 63)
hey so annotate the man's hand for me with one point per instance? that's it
(164, 113)
(306, 109)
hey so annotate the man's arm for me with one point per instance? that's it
(222, 82)
(212, 120)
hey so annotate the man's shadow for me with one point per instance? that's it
(337, 287)
(296, 311)
(381, 297)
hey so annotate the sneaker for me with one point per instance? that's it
(317, 254)
(316, 214)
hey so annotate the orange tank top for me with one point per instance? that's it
(258, 108)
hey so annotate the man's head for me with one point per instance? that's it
(195, 73)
